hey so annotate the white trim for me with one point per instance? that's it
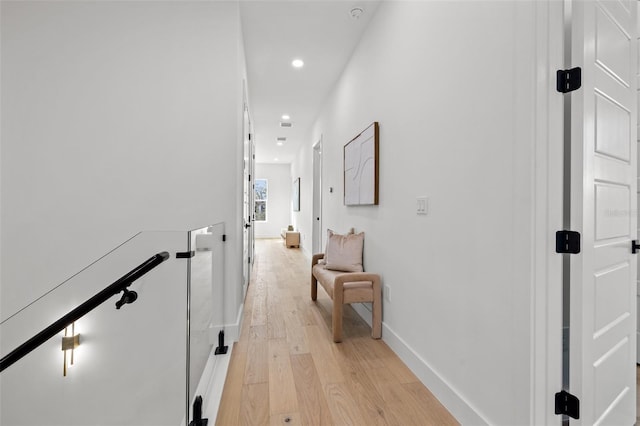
(364, 311)
(445, 393)
(546, 291)
(232, 331)
(213, 394)
(318, 146)
(453, 401)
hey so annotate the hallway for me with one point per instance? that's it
(285, 369)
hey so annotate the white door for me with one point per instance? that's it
(247, 211)
(252, 197)
(603, 209)
(317, 198)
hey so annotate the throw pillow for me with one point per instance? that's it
(344, 252)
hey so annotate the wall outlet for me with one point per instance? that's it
(386, 291)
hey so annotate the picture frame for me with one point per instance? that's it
(361, 168)
(296, 195)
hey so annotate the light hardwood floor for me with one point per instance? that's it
(286, 370)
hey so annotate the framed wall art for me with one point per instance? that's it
(361, 166)
(296, 195)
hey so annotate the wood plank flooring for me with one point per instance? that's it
(286, 370)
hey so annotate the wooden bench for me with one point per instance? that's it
(347, 287)
(291, 238)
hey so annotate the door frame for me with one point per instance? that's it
(546, 289)
(316, 227)
(248, 213)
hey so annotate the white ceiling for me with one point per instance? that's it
(324, 35)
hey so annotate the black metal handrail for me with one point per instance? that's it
(120, 285)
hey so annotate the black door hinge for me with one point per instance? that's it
(249, 136)
(224, 237)
(634, 246)
(567, 404)
(568, 242)
(185, 254)
(568, 80)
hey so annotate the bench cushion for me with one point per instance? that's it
(326, 277)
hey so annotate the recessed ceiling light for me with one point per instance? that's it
(279, 143)
(275, 159)
(285, 116)
(297, 63)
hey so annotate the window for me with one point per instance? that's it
(260, 189)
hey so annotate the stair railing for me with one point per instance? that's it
(120, 285)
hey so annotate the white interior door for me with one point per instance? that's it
(603, 209)
(317, 198)
(252, 197)
(247, 196)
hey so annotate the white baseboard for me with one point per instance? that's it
(212, 384)
(364, 311)
(233, 330)
(446, 394)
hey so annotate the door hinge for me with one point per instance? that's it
(567, 404)
(249, 260)
(568, 242)
(249, 136)
(224, 237)
(634, 246)
(249, 178)
(568, 80)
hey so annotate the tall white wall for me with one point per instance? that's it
(452, 86)
(117, 117)
(303, 220)
(279, 206)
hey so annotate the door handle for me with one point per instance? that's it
(247, 225)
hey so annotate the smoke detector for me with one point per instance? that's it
(356, 12)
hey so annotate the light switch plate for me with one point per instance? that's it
(422, 205)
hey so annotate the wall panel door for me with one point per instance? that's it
(603, 210)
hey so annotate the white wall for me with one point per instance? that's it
(116, 117)
(279, 206)
(452, 86)
(303, 220)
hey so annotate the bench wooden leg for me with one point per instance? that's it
(314, 288)
(336, 318)
(376, 317)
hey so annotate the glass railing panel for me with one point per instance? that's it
(130, 366)
(206, 279)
